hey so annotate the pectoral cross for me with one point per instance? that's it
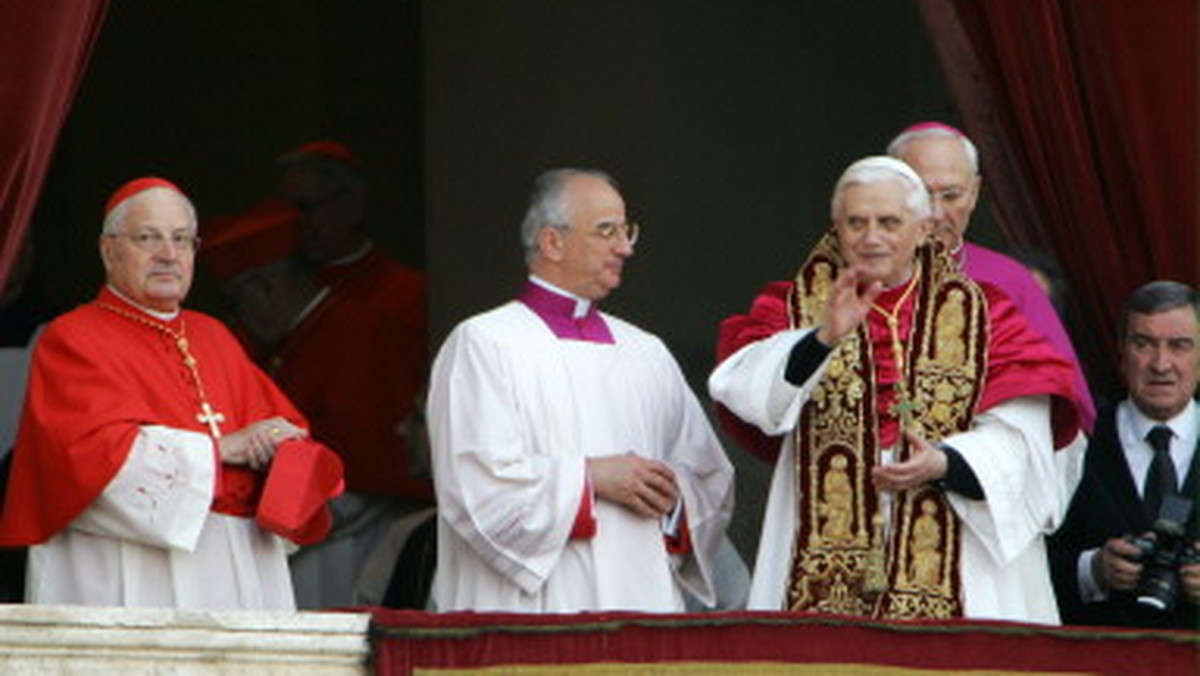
(211, 418)
(207, 415)
(903, 409)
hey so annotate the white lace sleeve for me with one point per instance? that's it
(161, 495)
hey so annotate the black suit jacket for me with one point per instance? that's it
(1107, 505)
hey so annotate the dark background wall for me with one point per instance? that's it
(725, 122)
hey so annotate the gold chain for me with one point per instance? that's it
(902, 407)
(207, 415)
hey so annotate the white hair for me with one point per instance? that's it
(879, 168)
(899, 144)
(548, 205)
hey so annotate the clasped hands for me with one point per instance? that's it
(256, 443)
(645, 486)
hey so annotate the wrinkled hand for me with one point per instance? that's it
(926, 463)
(846, 306)
(1112, 568)
(1189, 578)
(645, 486)
(255, 444)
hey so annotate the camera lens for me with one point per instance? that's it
(1158, 592)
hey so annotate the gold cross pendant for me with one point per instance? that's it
(211, 418)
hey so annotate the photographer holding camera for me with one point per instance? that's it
(1127, 553)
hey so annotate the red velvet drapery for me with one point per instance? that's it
(1085, 111)
(408, 642)
(44, 46)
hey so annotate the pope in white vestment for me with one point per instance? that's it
(523, 397)
(866, 516)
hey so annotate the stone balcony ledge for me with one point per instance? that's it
(135, 641)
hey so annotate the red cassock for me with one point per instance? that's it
(356, 366)
(1019, 363)
(98, 376)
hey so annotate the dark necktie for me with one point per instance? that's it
(1160, 480)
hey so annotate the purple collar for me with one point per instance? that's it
(558, 312)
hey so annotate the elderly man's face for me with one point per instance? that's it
(150, 258)
(876, 232)
(953, 187)
(329, 213)
(591, 261)
(1160, 359)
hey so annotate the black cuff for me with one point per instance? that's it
(959, 478)
(807, 355)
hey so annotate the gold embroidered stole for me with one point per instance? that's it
(842, 560)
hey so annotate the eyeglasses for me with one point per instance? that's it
(948, 195)
(609, 231)
(149, 240)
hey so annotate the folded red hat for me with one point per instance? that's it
(304, 475)
(266, 232)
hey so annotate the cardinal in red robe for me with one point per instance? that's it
(155, 465)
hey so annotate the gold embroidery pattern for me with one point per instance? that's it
(834, 513)
(839, 564)
(950, 339)
(951, 359)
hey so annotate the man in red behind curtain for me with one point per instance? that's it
(155, 465)
(366, 402)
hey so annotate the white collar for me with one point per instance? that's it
(157, 314)
(582, 305)
(1183, 425)
(354, 255)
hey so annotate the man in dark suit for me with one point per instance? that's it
(1143, 449)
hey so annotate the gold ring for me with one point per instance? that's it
(274, 431)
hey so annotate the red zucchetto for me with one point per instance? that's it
(923, 126)
(138, 185)
(331, 150)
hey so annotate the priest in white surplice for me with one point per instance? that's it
(919, 413)
(574, 468)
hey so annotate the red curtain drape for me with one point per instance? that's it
(1086, 115)
(44, 48)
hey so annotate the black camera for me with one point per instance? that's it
(1162, 553)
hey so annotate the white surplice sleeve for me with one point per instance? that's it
(162, 494)
(750, 383)
(512, 502)
(1010, 449)
(705, 479)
